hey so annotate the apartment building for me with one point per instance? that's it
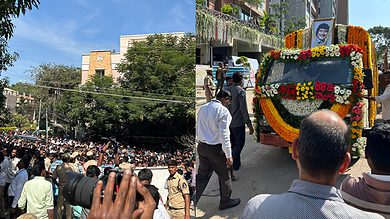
(104, 62)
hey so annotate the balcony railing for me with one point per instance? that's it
(212, 24)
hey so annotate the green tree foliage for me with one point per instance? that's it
(10, 9)
(381, 38)
(280, 11)
(269, 23)
(293, 24)
(3, 84)
(163, 66)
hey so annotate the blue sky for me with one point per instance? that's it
(61, 31)
(369, 13)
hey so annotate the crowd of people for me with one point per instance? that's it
(27, 166)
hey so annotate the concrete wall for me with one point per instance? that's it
(160, 175)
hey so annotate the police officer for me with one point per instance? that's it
(178, 200)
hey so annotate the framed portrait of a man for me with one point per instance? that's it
(322, 32)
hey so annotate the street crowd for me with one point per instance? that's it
(33, 173)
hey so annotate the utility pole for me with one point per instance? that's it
(39, 112)
(47, 129)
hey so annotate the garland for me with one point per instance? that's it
(358, 36)
(209, 26)
(340, 99)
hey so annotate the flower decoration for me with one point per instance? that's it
(269, 90)
(287, 91)
(342, 95)
(284, 105)
(305, 91)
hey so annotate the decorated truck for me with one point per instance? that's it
(299, 79)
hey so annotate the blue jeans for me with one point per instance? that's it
(237, 139)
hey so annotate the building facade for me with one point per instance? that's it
(310, 10)
(221, 35)
(104, 62)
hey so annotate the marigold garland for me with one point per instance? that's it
(283, 129)
(314, 90)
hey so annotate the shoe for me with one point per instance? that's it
(229, 204)
(234, 178)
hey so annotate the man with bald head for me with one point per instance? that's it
(321, 154)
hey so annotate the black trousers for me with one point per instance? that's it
(212, 158)
(237, 139)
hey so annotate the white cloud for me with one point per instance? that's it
(54, 36)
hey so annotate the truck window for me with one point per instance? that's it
(332, 70)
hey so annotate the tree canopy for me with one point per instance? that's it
(154, 97)
(381, 38)
(10, 9)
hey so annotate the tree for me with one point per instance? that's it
(293, 24)
(3, 84)
(279, 11)
(163, 66)
(269, 23)
(8, 10)
(286, 25)
(381, 38)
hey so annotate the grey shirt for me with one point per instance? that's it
(238, 107)
(304, 200)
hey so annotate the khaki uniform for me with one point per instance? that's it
(209, 86)
(60, 173)
(177, 188)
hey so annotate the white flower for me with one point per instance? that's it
(331, 54)
(342, 91)
(339, 99)
(277, 86)
(352, 53)
(327, 53)
(349, 92)
(337, 53)
(345, 96)
(337, 88)
(296, 57)
(347, 102)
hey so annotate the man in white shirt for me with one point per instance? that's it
(13, 168)
(4, 165)
(384, 98)
(16, 186)
(38, 194)
(214, 148)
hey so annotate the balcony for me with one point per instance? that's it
(212, 24)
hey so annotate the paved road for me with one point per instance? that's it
(265, 169)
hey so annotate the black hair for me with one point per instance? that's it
(38, 168)
(237, 77)
(93, 171)
(223, 94)
(171, 162)
(1, 157)
(65, 158)
(322, 146)
(154, 192)
(107, 171)
(378, 147)
(322, 26)
(25, 162)
(145, 174)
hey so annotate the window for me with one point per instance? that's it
(331, 70)
(99, 72)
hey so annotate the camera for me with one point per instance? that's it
(79, 189)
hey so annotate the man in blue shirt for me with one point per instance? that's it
(321, 154)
